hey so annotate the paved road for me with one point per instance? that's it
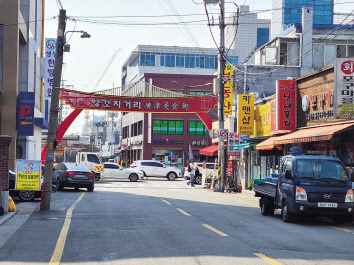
(166, 222)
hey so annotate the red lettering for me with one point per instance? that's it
(25, 110)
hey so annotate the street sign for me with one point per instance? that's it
(223, 133)
(213, 134)
(233, 140)
(25, 114)
(171, 155)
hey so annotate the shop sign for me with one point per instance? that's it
(245, 114)
(319, 115)
(273, 115)
(28, 173)
(263, 120)
(344, 88)
(286, 105)
(25, 113)
(229, 167)
(233, 140)
(199, 142)
(81, 100)
(49, 61)
(167, 142)
(228, 87)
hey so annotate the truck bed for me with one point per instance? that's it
(266, 188)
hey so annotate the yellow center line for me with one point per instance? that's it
(184, 212)
(59, 248)
(267, 259)
(166, 202)
(215, 230)
(342, 229)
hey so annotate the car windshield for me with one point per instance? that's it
(93, 159)
(77, 167)
(321, 170)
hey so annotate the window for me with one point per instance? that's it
(140, 127)
(202, 62)
(111, 166)
(350, 51)
(262, 36)
(93, 159)
(167, 127)
(197, 128)
(341, 51)
(157, 164)
(318, 56)
(170, 61)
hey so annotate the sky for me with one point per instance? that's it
(88, 58)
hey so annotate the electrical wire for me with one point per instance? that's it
(197, 2)
(72, 30)
(237, 15)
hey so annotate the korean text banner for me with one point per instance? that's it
(286, 105)
(245, 114)
(232, 141)
(25, 113)
(344, 88)
(81, 100)
(228, 87)
(49, 60)
(28, 174)
(263, 120)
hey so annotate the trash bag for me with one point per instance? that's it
(12, 205)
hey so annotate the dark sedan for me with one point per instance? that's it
(74, 175)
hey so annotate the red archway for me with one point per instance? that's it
(177, 104)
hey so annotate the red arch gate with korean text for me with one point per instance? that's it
(148, 98)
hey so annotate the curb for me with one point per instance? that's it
(6, 217)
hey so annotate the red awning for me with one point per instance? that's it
(210, 150)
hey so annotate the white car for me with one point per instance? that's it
(112, 170)
(153, 168)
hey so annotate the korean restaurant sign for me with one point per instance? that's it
(228, 87)
(344, 88)
(286, 105)
(263, 120)
(81, 100)
(28, 174)
(245, 114)
(49, 60)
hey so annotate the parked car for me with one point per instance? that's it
(112, 170)
(74, 175)
(23, 195)
(152, 168)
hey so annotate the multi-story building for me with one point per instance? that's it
(20, 52)
(287, 12)
(250, 34)
(180, 69)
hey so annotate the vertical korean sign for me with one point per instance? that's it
(344, 88)
(245, 114)
(286, 105)
(25, 113)
(263, 120)
(50, 46)
(228, 87)
(28, 174)
(232, 141)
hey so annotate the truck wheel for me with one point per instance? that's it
(27, 196)
(286, 216)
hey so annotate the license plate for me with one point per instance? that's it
(79, 176)
(327, 204)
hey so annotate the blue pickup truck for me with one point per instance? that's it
(312, 185)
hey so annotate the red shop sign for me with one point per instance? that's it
(286, 105)
(81, 100)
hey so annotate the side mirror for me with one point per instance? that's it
(288, 174)
(164, 166)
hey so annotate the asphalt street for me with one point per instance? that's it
(157, 221)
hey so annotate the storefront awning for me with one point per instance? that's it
(266, 144)
(320, 133)
(210, 150)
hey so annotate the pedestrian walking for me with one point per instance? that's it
(191, 169)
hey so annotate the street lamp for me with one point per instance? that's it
(54, 109)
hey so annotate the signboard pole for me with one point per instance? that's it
(53, 118)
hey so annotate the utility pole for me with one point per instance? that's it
(53, 118)
(221, 94)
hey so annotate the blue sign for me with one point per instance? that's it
(25, 114)
(116, 137)
(171, 155)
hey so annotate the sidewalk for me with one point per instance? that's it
(11, 222)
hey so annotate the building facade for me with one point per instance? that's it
(20, 55)
(251, 33)
(289, 12)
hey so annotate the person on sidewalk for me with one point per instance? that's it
(191, 169)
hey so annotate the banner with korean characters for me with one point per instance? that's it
(28, 174)
(344, 88)
(232, 141)
(228, 87)
(245, 114)
(263, 120)
(49, 61)
(286, 105)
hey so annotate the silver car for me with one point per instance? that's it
(113, 170)
(153, 168)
